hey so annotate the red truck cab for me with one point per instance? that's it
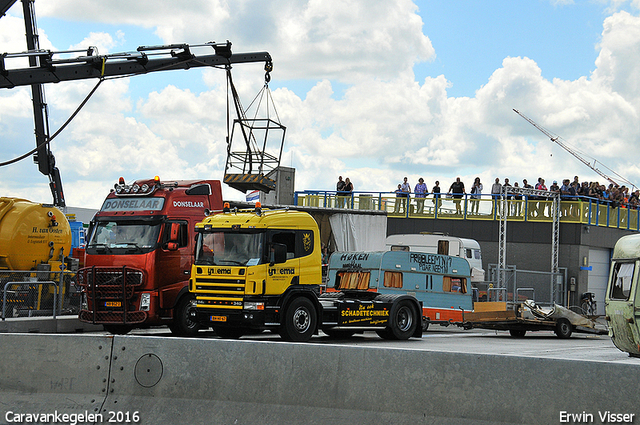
(139, 254)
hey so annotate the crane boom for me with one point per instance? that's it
(144, 60)
(556, 139)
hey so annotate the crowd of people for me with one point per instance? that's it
(612, 194)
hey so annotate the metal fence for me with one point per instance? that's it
(582, 210)
(38, 293)
(545, 288)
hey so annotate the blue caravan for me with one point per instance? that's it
(440, 282)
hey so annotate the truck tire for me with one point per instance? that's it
(403, 321)
(183, 324)
(564, 328)
(299, 320)
(118, 329)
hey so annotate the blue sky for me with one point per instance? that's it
(370, 89)
(471, 38)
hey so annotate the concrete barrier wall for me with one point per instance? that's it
(213, 381)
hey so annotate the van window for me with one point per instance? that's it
(393, 279)
(454, 284)
(443, 247)
(354, 280)
(469, 253)
(621, 281)
(399, 248)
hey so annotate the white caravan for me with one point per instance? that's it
(468, 249)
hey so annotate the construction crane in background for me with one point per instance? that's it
(557, 139)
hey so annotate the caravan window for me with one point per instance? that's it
(621, 282)
(393, 279)
(454, 284)
(354, 280)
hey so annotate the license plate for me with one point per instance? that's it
(218, 318)
(113, 304)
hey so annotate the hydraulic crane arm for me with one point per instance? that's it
(89, 64)
(5, 5)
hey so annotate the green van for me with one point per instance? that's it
(622, 299)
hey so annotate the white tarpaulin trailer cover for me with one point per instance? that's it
(359, 232)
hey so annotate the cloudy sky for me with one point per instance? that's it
(374, 90)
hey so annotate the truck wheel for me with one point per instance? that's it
(563, 328)
(403, 320)
(299, 321)
(118, 329)
(183, 324)
(517, 333)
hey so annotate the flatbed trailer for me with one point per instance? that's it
(528, 317)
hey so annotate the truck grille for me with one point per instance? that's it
(110, 292)
(219, 292)
(108, 317)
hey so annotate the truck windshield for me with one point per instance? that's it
(229, 248)
(128, 236)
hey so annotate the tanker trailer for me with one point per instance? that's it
(35, 241)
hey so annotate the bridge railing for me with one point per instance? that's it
(575, 209)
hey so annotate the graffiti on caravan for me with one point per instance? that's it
(432, 262)
(353, 260)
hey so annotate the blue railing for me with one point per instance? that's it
(575, 209)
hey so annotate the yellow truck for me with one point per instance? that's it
(260, 270)
(622, 299)
(34, 238)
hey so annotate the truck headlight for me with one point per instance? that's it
(252, 305)
(145, 301)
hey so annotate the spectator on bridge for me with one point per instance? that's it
(567, 193)
(436, 195)
(508, 194)
(517, 207)
(539, 208)
(476, 193)
(421, 192)
(348, 191)
(457, 191)
(339, 192)
(496, 190)
(398, 192)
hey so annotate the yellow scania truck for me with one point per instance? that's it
(260, 270)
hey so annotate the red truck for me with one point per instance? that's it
(139, 254)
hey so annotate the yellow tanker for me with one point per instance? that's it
(36, 239)
(32, 234)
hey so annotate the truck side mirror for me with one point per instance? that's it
(277, 253)
(172, 246)
(174, 231)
